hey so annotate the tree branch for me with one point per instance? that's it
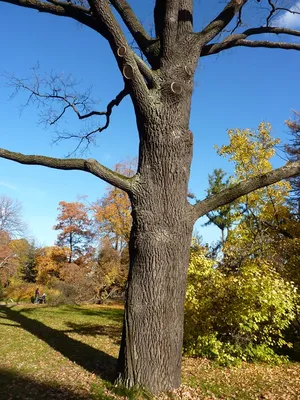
(241, 189)
(215, 49)
(62, 90)
(90, 165)
(221, 21)
(63, 9)
(133, 24)
(185, 17)
(145, 71)
(100, 18)
(166, 23)
(239, 40)
(115, 102)
(274, 9)
(87, 137)
(127, 60)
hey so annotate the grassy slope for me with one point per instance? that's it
(70, 353)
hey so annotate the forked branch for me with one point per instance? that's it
(61, 91)
(126, 60)
(98, 16)
(241, 189)
(240, 39)
(274, 16)
(274, 10)
(89, 165)
(221, 21)
(132, 23)
(61, 8)
(88, 136)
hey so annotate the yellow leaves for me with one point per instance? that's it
(250, 150)
(249, 307)
(50, 262)
(113, 211)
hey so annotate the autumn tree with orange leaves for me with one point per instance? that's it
(113, 211)
(76, 229)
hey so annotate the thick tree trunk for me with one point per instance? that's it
(150, 353)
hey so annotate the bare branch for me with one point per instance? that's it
(221, 21)
(274, 10)
(145, 71)
(239, 40)
(90, 165)
(263, 30)
(63, 9)
(117, 40)
(100, 18)
(241, 189)
(87, 137)
(57, 89)
(146, 44)
(10, 217)
(133, 24)
(267, 44)
(53, 88)
(239, 21)
(115, 102)
(249, 43)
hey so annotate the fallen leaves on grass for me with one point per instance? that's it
(53, 353)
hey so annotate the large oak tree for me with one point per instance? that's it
(159, 79)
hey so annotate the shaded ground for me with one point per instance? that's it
(71, 352)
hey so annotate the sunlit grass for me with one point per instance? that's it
(70, 352)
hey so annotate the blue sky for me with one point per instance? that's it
(237, 88)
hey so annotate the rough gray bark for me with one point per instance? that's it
(161, 92)
(159, 247)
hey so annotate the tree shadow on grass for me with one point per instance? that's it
(114, 314)
(93, 360)
(112, 331)
(17, 387)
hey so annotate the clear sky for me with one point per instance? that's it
(237, 88)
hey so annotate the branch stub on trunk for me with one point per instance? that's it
(128, 71)
(188, 70)
(176, 87)
(121, 51)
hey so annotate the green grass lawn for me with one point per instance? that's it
(71, 352)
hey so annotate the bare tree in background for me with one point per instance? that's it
(159, 79)
(11, 217)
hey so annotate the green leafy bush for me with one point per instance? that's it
(238, 316)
